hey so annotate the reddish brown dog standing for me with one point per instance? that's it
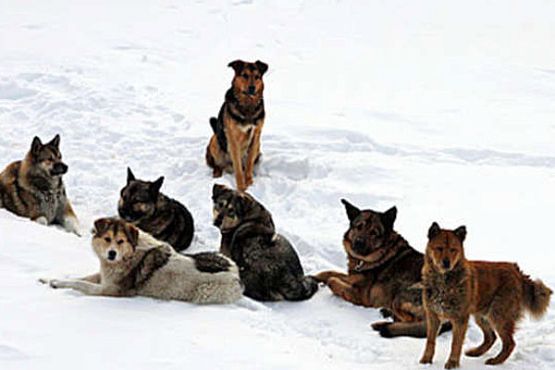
(235, 144)
(496, 293)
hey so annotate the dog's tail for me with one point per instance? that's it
(417, 329)
(536, 296)
(214, 124)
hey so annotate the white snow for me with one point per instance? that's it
(444, 109)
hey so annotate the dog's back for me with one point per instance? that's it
(204, 278)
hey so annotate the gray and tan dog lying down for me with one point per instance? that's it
(134, 263)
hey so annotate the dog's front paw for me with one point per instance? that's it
(451, 364)
(41, 220)
(426, 359)
(44, 281)
(55, 284)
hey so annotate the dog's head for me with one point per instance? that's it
(114, 240)
(445, 247)
(368, 230)
(247, 81)
(232, 208)
(138, 198)
(46, 159)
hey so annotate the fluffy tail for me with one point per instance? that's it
(536, 296)
(417, 329)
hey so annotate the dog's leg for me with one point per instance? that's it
(345, 290)
(459, 332)
(84, 287)
(324, 276)
(70, 221)
(94, 278)
(235, 153)
(432, 328)
(252, 156)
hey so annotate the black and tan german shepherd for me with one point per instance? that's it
(268, 264)
(142, 204)
(235, 144)
(383, 272)
(33, 188)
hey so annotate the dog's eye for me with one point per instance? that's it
(359, 227)
(452, 250)
(245, 76)
(440, 250)
(231, 213)
(257, 77)
(120, 242)
(108, 239)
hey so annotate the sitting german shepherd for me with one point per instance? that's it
(134, 263)
(495, 293)
(268, 265)
(383, 272)
(33, 188)
(142, 204)
(235, 145)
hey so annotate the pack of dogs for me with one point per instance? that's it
(141, 252)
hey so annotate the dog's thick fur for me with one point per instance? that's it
(142, 204)
(134, 263)
(496, 293)
(235, 144)
(33, 188)
(383, 272)
(268, 264)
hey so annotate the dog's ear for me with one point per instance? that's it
(36, 145)
(262, 67)
(132, 234)
(218, 190)
(101, 226)
(460, 233)
(433, 231)
(156, 185)
(130, 176)
(388, 218)
(55, 142)
(237, 66)
(352, 211)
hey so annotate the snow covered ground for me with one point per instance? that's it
(444, 109)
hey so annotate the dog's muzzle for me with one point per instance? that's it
(58, 169)
(251, 90)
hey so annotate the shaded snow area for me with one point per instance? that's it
(443, 109)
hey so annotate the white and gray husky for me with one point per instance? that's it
(134, 263)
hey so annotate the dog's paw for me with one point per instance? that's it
(41, 220)
(55, 284)
(426, 359)
(44, 281)
(386, 313)
(451, 364)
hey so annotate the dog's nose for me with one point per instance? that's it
(446, 263)
(218, 220)
(112, 255)
(60, 168)
(252, 89)
(359, 243)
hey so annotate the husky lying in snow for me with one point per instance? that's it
(134, 263)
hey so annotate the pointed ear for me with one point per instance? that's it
(130, 176)
(388, 218)
(460, 233)
(218, 190)
(55, 142)
(237, 65)
(352, 211)
(132, 234)
(156, 185)
(101, 225)
(36, 145)
(433, 231)
(262, 67)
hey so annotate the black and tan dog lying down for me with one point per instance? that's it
(134, 263)
(384, 271)
(268, 264)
